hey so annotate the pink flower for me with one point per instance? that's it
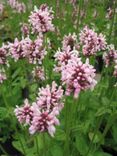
(46, 108)
(41, 116)
(41, 19)
(25, 29)
(101, 42)
(78, 76)
(15, 49)
(24, 114)
(2, 75)
(69, 40)
(44, 122)
(115, 70)
(62, 57)
(18, 7)
(91, 42)
(38, 72)
(49, 98)
(26, 48)
(38, 52)
(110, 56)
(1, 8)
(4, 54)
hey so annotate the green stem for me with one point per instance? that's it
(44, 145)
(95, 132)
(109, 124)
(78, 19)
(67, 128)
(22, 146)
(37, 145)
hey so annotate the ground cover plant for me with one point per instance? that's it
(58, 78)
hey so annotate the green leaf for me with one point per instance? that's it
(3, 113)
(82, 144)
(114, 132)
(60, 135)
(95, 137)
(18, 146)
(103, 110)
(101, 154)
(56, 150)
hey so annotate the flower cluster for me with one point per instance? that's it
(41, 19)
(3, 62)
(62, 57)
(25, 113)
(91, 42)
(17, 6)
(1, 8)
(38, 72)
(110, 56)
(69, 46)
(25, 29)
(78, 76)
(2, 75)
(26, 48)
(42, 115)
(3, 55)
(69, 40)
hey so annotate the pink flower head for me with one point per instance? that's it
(2, 75)
(3, 54)
(42, 115)
(38, 72)
(62, 57)
(110, 56)
(46, 108)
(38, 52)
(25, 29)
(15, 49)
(44, 122)
(17, 6)
(41, 19)
(20, 7)
(101, 42)
(12, 3)
(69, 40)
(1, 8)
(115, 71)
(91, 41)
(49, 98)
(24, 114)
(78, 76)
(26, 48)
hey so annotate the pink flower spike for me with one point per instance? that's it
(41, 19)
(78, 76)
(24, 114)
